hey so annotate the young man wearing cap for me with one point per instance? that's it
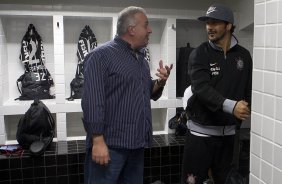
(221, 81)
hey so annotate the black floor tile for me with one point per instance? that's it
(63, 162)
(4, 163)
(27, 173)
(4, 175)
(50, 160)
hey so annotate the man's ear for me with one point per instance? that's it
(229, 26)
(131, 30)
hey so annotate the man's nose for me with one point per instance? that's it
(149, 29)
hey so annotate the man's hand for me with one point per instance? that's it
(241, 110)
(163, 74)
(100, 152)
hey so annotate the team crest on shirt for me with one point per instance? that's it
(191, 179)
(240, 63)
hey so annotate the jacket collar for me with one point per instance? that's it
(234, 42)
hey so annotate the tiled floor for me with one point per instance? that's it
(63, 162)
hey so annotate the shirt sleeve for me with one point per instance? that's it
(93, 99)
(248, 93)
(155, 96)
(201, 83)
(228, 106)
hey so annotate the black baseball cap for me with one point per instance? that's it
(219, 12)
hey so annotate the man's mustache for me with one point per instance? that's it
(211, 32)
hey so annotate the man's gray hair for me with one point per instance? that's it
(126, 18)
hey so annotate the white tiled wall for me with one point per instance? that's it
(266, 133)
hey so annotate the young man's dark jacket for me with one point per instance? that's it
(216, 77)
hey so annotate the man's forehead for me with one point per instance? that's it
(141, 16)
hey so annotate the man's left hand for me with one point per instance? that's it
(164, 73)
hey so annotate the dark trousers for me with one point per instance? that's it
(125, 167)
(204, 153)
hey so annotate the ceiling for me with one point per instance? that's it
(162, 4)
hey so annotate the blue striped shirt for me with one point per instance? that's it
(117, 92)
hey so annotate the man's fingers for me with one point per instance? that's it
(171, 66)
(161, 64)
(101, 160)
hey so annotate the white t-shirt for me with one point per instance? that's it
(187, 94)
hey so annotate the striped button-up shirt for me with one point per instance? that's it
(116, 99)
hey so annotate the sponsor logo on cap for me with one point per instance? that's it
(211, 9)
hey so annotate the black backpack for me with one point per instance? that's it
(36, 128)
(36, 81)
(76, 85)
(35, 85)
(178, 122)
(86, 42)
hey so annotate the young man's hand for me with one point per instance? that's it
(241, 110)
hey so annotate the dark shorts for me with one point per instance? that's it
(204, 153)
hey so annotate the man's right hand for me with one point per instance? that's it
(100, 151)
(241, 110)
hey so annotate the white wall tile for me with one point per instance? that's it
(277, 176)
(2, 139)
(267, 151)
(59, 59)
(277, 160)
(60, 98)
(58, 49)
(256, 123)
(270, 59)
(279, 56)
(255, 165)
(59, 69)
(271, 129)
(257, 104)
(268, 128)
(61, 126)
(257, 78)
(255, 145)
(278, 115)
(2, 126)
(277, 133)
(259, 58)
(61, 117)
(254, 180)
(269, 82)
(268, 105)
(60, 89)
(266, 172)
(60, 79)
(279, 36)
(259, 11)
(280, 11)
(61, 136)
(271, 36)
(259, 36)
(271, 12)
(278, 85)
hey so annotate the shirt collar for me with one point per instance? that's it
(127, 45)
(233, 43)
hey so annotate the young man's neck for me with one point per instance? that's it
(225, 43)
